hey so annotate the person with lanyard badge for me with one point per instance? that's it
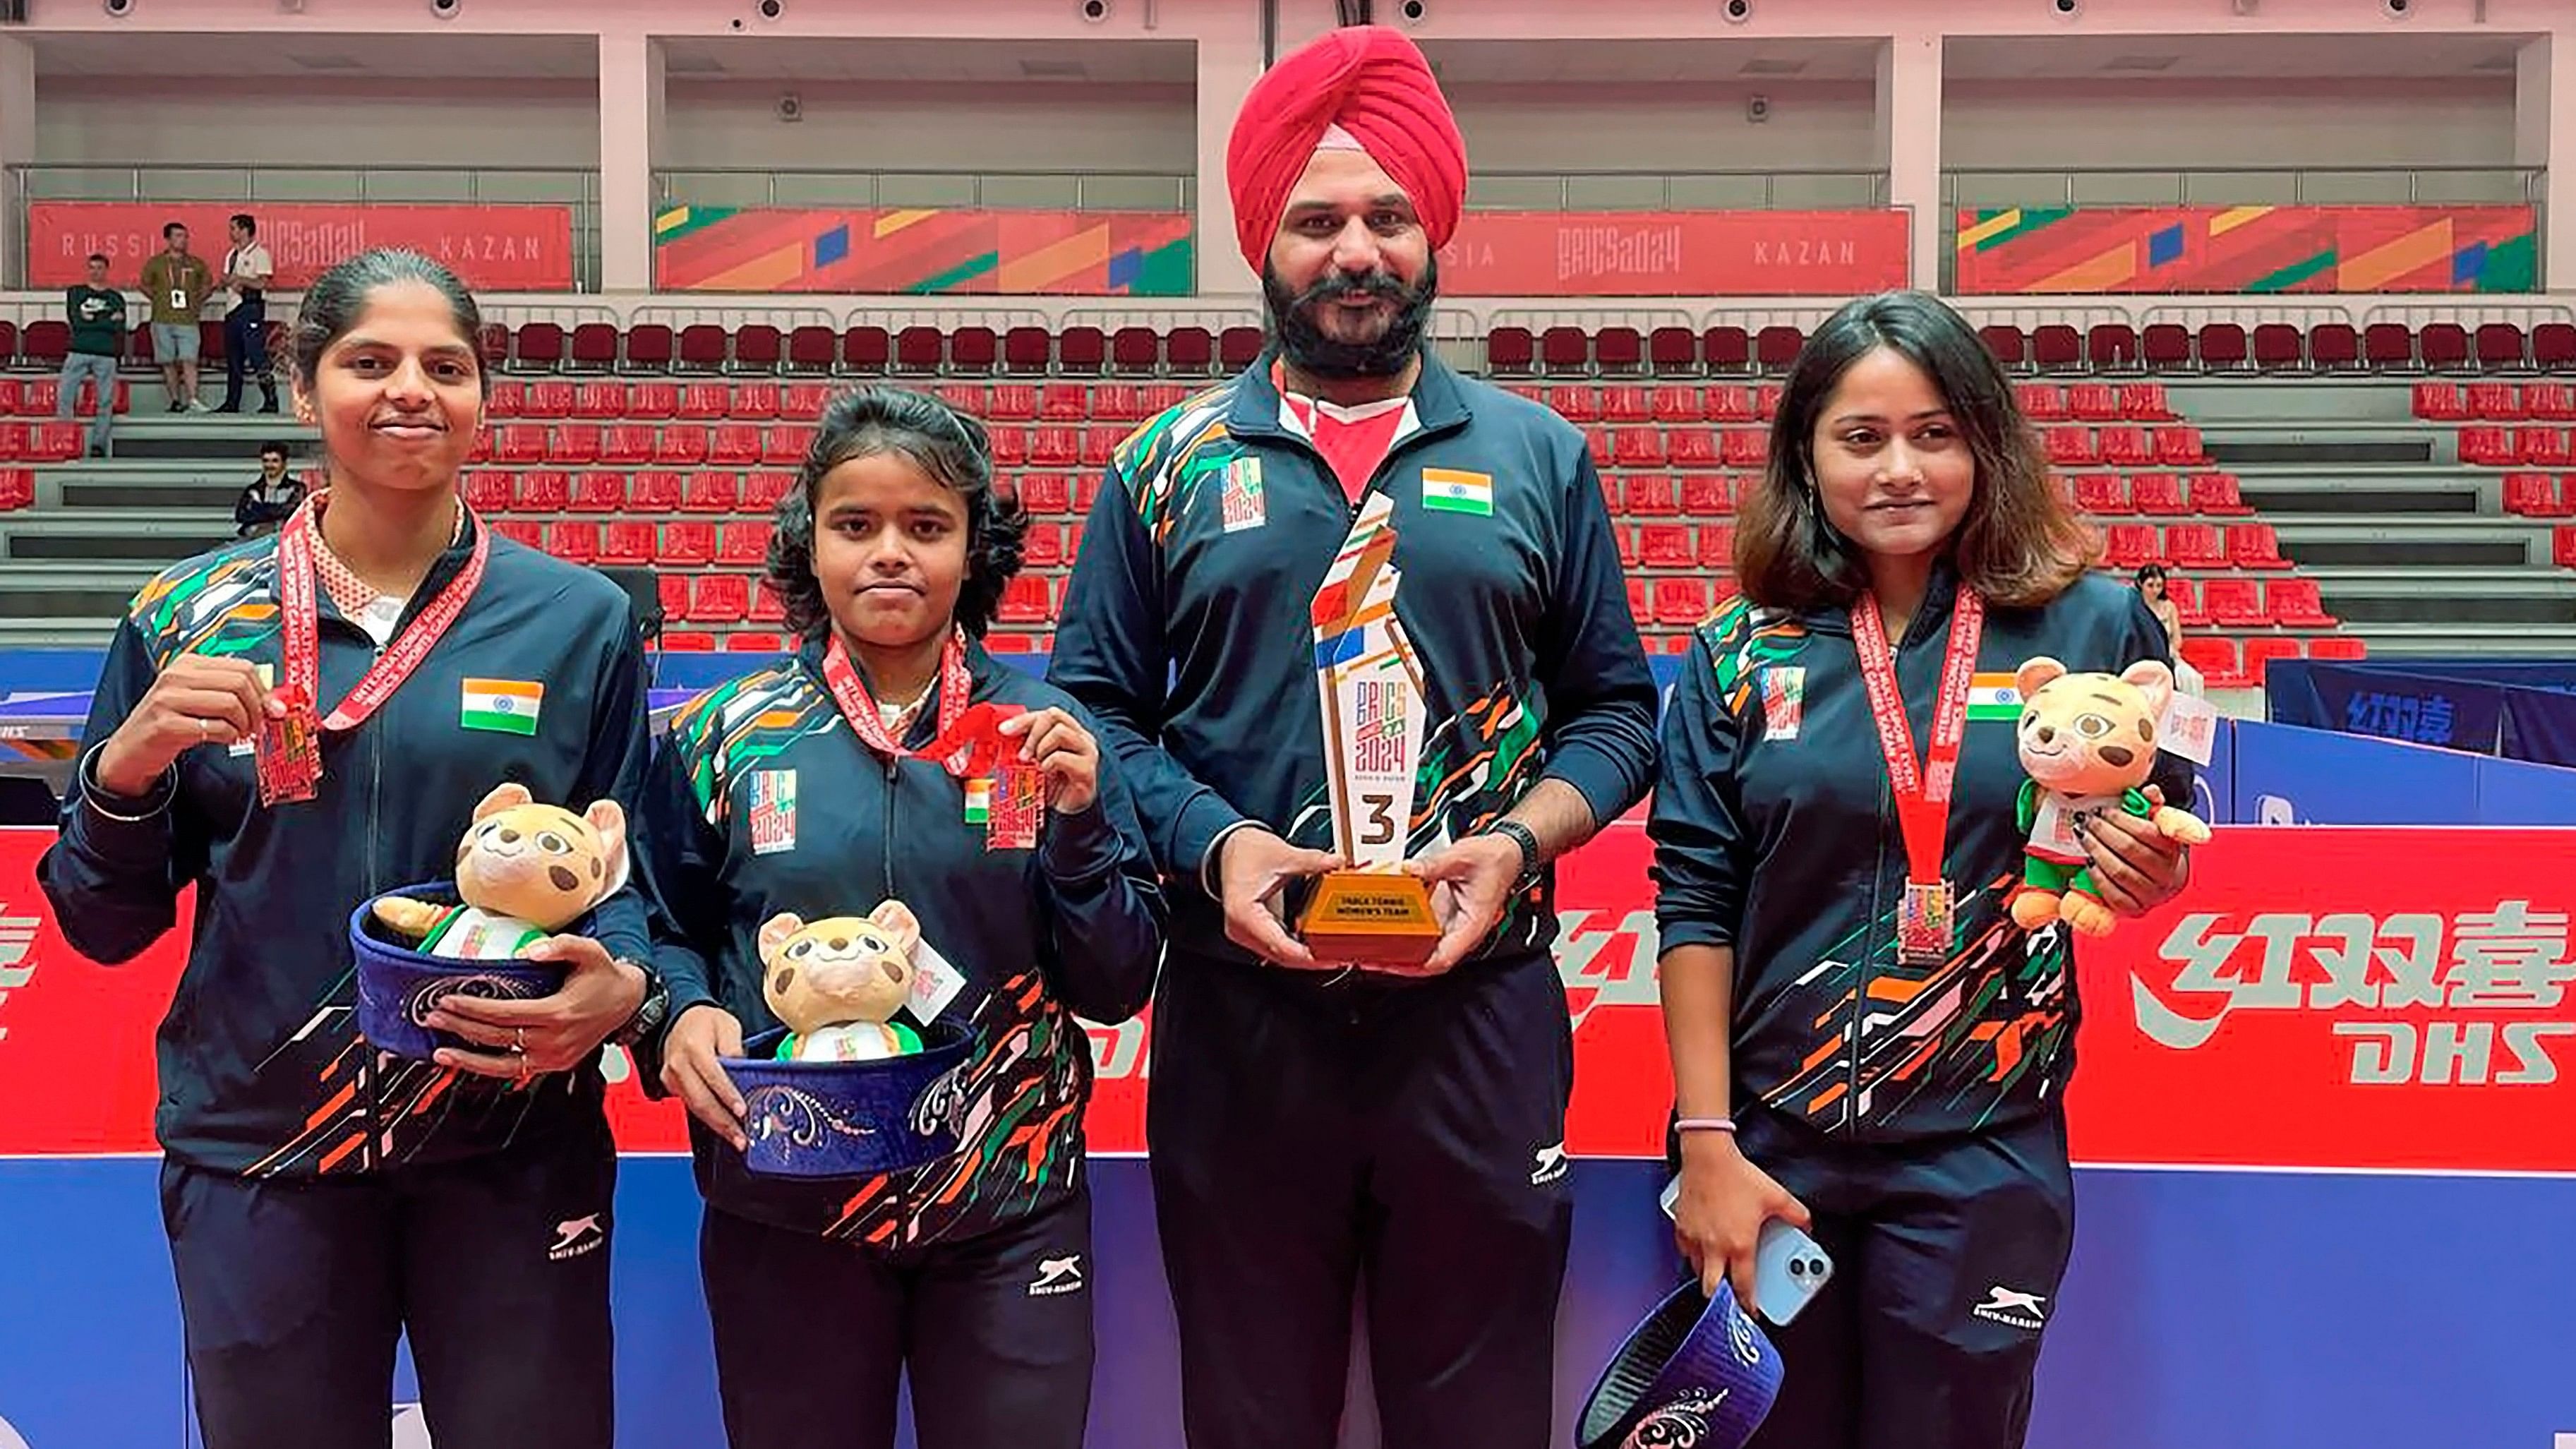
(1355, 625)
(247, 268)
(176, 280)
(295, 725)
(894, 770)
(1865, 1045)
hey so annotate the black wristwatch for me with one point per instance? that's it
(649, 1013)
(1527, 840)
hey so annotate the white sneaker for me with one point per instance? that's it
(197, 405)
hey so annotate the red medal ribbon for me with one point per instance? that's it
(1922, 793)
(968, 743)
(302, 684)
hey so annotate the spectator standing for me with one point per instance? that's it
(96, 312)
(247, 268)
(178, 281)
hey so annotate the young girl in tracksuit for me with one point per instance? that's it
(1897, 1091)
(323, 1199)
(814, 787)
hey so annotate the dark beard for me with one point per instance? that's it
(1305, 346)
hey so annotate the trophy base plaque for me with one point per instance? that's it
(1369, 918)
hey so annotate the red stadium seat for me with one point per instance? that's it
(2130, 545)
(1625, 405)
(2254, 546)
(2158, 494)
(2235, 603)
(2295, 604)
(2194, 546)
(1011, 402)
(627, 445)
(720, 599)
(1717, 547)
(1653, 495)
(743, 543)
(545, 491)
(688, 542)
(2093, 402)
(803, 402)
(1706, 495)
(2261, 652)
(762, 491)
(572, 444)
(1680, 601)
(2144, 402)
(656, 492)
(735, 445)
(2441, 402)
(1576, 403)
(2339, 646)
(487, 491)
(710, 493)
(703, 402)
(2101, 493)
(599, 492)
(632, 542)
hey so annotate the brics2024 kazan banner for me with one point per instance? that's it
(1152, 254)
(495, 247)
(2321, 998)
(2248, 249)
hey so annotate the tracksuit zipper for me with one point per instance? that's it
(893, 771)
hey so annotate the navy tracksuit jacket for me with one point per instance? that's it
(970, 1275)
(319, 1196)
(1915, 1110)
(1305, 1126)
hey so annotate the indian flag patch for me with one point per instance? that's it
(979, 802)
(1450, 490)
(1994, 696)
(508, 706)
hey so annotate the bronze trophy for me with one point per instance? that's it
(1368, 913)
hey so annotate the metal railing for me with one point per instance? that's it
(1615, 190)
(427, 185)
(999, 190)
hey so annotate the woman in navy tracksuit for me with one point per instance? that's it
(323, 1200)
(815, 788)
(1847, 1053)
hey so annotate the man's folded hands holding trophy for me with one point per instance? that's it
(1370, 907)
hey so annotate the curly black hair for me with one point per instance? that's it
(944, 443)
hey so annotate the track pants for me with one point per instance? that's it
(246, 351)
(294, 1293)
(1311, 1141)
(812, 1335)
(1947, 1256)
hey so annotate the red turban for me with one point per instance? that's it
(1373, 83)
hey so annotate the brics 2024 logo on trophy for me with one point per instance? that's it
(1369, 913)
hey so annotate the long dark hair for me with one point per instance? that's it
(2018, 544)
(338, 298)
(942, 442)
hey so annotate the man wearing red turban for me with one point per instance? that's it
(1317, 1125)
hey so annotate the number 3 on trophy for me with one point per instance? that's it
(1381, 819)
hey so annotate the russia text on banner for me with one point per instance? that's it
(1675, 254)
(495, 247)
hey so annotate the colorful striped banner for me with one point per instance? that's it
(1061, 253)
(2255, 249)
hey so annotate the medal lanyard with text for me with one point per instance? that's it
(302, 626)
(1923, 792)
